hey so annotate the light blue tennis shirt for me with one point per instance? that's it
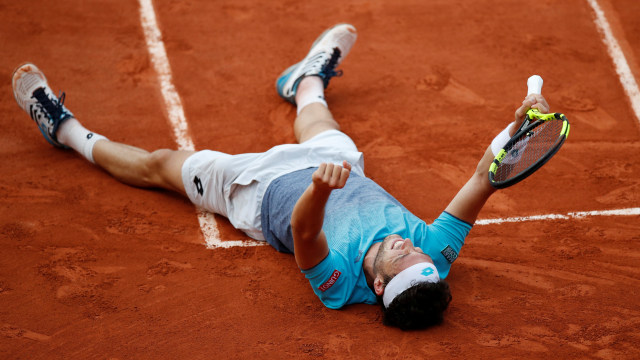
(356, 217)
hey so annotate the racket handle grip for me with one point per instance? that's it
(534, 84)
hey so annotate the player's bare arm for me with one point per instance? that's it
(310, 242)
(471, 198)
(474, 194)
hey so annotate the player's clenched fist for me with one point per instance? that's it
(331, 176)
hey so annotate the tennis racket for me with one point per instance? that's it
(539, 137)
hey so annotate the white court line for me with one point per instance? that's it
(480, 222)
(160, 61)
(571, 215)
(173, 104)
(627, 79)
(212, 236)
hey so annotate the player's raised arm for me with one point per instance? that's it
(309, 241)
(471, 198)
(518, 151)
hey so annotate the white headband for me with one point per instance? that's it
(415, 274)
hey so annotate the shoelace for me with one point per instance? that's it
(328, 71)
(53, 108)
(324, 67)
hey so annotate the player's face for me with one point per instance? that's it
(396, 254)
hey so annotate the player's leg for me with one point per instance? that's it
(138, 167)
(303, 83)
(315, 117)
(61, 129)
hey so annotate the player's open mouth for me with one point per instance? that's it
(397, 245)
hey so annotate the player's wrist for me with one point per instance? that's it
(320, 190)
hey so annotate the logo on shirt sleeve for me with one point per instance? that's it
(332, 280)
(449, 254)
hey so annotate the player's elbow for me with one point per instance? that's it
(303, 232)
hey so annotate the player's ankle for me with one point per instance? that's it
(310, 90)
(64, 130)
(71, 133)
(309, 83)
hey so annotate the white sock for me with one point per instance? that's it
(310, 90)
(75, 136)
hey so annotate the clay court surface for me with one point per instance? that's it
(93, 269)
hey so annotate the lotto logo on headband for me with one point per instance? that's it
(332, 280)
(427, 271)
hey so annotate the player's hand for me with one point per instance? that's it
(331, 176)
(532, 101)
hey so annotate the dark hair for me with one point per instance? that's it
(418, 307)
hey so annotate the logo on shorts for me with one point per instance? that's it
(89, 135)
(332, 280)
(449, 254)
(198, 182)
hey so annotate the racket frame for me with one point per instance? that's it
(527, 125)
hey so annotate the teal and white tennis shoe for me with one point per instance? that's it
(326, 53)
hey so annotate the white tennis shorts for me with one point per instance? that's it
(234, 185)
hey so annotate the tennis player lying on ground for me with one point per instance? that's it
(355, 245)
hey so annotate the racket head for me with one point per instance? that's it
(530, 148)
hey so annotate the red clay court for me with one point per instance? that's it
(93, 269)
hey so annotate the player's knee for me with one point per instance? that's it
(312, 129)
